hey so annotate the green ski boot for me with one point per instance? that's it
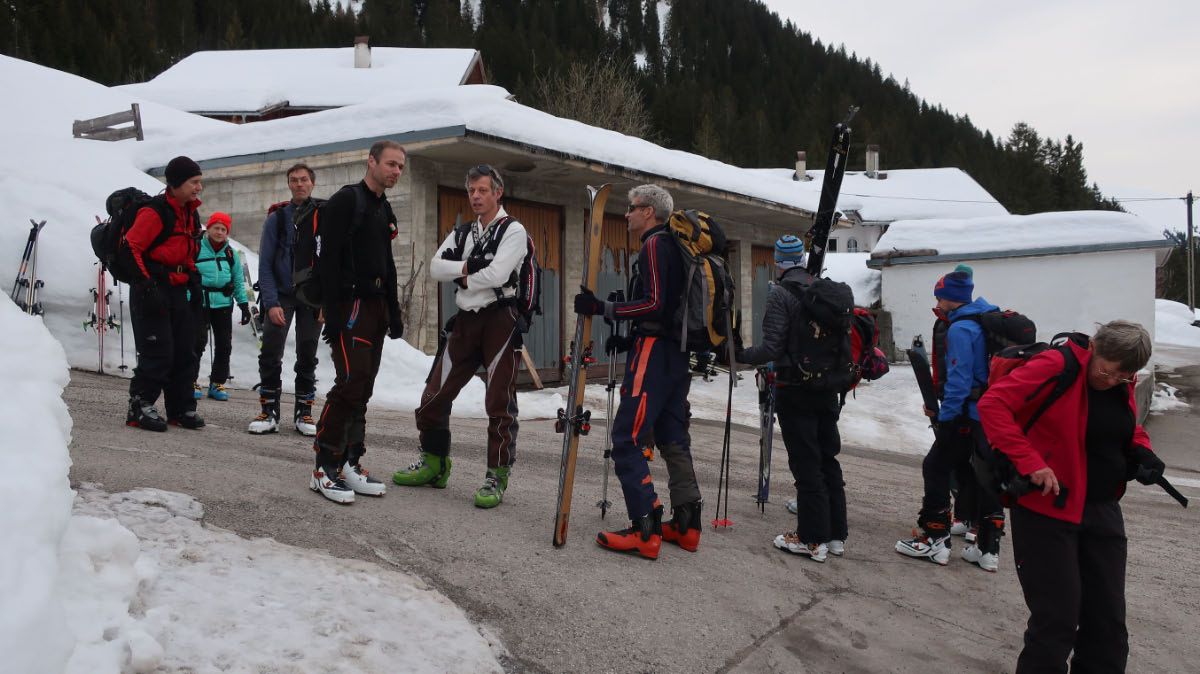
(492, 492)
(430, 470)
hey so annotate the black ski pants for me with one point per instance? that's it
(1073, 578)
(357, 350)
(808, 422)
(951, 455)
(274, 339)
(165, 341)
(221, 322)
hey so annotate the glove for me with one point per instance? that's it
(477, 262)
(335, 321)
(448, 254)
(461, 282)
(617, 344)
(153, 303)
(738, 345)
(245, 313)
(395, 323)
(196, 291)
(1147, 467)
(586, 303)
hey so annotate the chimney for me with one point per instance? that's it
(801, 173)
(873, 163)
(362, 52)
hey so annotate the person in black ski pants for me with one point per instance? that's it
(807, 418)
(655, 388)
(360, 301)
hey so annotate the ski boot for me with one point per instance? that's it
(931, 540)
(327, 481)
(302, 415)
(217, 392)
(189, 419)
(492, 492)
(429, 469)
(986, 550)
(644, 536)
(144, 416)
(683, 528)
(268, 420)
(790, 542)
(197, 392)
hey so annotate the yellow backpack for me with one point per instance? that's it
(702, 315)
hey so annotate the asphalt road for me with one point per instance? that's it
(737, 605)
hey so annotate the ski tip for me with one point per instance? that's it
(722, 522)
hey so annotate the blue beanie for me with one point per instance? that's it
(789, 252)
(956, 286)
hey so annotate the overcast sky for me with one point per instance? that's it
(1122, 76)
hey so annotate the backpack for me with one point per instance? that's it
(702, 315)
(306, 247)
(526, 279)
(108, 237)
(1003, 328)
(869, 360)
(994, 469)
(821, 352)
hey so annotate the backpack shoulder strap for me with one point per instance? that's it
(166, 215)
(1062, 381)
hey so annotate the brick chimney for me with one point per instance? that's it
(801, 173)
(362, 52)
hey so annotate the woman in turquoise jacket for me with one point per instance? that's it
(221, 280)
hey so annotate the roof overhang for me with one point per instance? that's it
(462, 146)
(893, 258)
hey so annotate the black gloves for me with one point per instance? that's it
(1147, 468)
(617, 344)
(477, 262)
(336, 316)
(153, 302)
(586, 303)
(395, 322)
(245, 308)
(448, 254)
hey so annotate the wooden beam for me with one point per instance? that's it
(101, 128)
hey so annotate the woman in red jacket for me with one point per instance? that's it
(1068, 535)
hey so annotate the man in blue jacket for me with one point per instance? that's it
(280, 305)
(958, 431)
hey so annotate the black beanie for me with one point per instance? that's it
(180, 170)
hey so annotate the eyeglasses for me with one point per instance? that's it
(1117, 378)
(633, 207)
(486, 170)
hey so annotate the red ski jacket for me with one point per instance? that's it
(178, 252)
(1057, 439)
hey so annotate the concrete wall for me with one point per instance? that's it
(1060, 293)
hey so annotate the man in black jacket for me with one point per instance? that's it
(360, 302)
(808, 413)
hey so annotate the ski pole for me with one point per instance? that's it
(121, 299)
(614, 330)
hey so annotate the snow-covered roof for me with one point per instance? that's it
(906, 194)
(482, 110)
(243, 81)
(1012, 235)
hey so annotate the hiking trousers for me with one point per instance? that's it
(165, 343)
(221, 321)
(654, 402)
(953, 458)
(1073, 579)
(808, 422)
(486, 338)
(274, 339)
(356, 351)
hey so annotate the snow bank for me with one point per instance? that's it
(1018, 232)
(34, 511)
(1173, 324)
(851, 269)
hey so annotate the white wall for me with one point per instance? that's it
(866, 235)
(1060, 292)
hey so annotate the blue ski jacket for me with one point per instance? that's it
(966, 361)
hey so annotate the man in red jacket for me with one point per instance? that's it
(164, 303)
(1069, 535)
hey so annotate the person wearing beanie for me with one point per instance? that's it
(964, 374)
(165, 301)
(805, 356)
(279, 303)
(221, 286)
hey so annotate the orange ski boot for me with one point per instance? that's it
(644, 536)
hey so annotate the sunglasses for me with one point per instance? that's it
(633, 207)
(486, 170)
(1117, 378)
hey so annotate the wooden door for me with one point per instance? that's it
(762, 272)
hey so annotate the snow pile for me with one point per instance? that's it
(1166, 398)
(35, 510)
(307, 78)
(1018, 232)
(1173, 324)
(148, 588)
(851, 269)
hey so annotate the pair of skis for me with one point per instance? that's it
(27, 284)
(101, 319)
(256, 320)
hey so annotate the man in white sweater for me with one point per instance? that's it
(482, 258)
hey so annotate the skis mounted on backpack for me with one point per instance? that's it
(574, 421)
(817, 236)
(100, 318)
(765, 378)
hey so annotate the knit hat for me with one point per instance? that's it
(789, 252)
(956, 286)
(965, 269)
(219, 218)
(180, 170)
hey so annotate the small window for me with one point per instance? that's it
(832, 246)
(852, 245)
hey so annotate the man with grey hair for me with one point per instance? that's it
(482, 258)
(655, 389)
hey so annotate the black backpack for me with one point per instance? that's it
(108, 237)
(526, 279)
(306, 246)
(820, 351)
(1004, 328)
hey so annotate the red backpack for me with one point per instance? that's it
(869, 361)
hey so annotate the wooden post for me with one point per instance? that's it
(106, 127)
